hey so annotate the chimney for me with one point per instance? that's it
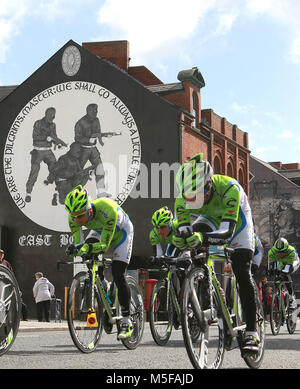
(115, 51)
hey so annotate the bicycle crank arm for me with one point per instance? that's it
(114, 319)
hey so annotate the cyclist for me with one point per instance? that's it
(284, 257)
(223, 203)
(109, 227)
(164, 228)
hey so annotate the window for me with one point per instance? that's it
(195, 110)
(217, 166)
(230, 170)
(241, 177)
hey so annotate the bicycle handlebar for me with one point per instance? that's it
(86, 260)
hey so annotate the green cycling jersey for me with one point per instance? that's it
(288, 259)
(108, 219)
(227, 201)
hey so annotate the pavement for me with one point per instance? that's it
(34, 325)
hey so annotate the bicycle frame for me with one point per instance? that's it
(214, 285)
(107, 306)
(173, 294)
(278, 289)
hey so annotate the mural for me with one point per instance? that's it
(276, 216)
(72, 133)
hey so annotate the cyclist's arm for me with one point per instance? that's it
(224, 232)
(231, 205)
(155, 243)
(182, 214)
(76, 231)
(272, 259)
(291, 256)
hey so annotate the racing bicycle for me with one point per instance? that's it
(281, 311)
(10, 309)
(91, 307)
(164, 307)
(219, 326)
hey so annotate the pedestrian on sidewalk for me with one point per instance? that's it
(43, 290)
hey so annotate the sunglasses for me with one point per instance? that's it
(74, 217)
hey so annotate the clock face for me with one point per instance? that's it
(71, 60)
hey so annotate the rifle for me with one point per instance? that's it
(58, 142)
(110, 134)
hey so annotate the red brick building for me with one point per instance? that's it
(201, 130)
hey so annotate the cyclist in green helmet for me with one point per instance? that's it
(162, 233)
(224, 216)
(109, 227)
(164, 228)
(284, 258)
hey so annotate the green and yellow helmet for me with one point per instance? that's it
(193, 175)
(281, 244)
(77, 200)
(162, 217)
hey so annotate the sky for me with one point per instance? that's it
(248, 52)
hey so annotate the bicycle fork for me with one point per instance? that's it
(201, 319)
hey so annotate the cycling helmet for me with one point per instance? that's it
(281, 244)
(77, 199)
(193, 175)
(162, 217)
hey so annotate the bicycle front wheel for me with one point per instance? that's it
(10, 309)
(85, 325)
(275, 314)
(161, 313)
(203, 332)
(136, 314)
(255, 361)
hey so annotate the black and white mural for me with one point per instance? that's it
(72, 133)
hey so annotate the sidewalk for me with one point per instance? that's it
(34, 325)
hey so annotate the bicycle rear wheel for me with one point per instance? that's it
(10, 309)
(291, 320)
(161, 313)
(206, 350)
(275, 314)
(136, 314)
(255, 361)
(85, 326)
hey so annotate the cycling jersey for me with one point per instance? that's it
(228, 202)
(110, 225)
(258, 251)
(290, 259)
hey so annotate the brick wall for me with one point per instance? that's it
(115, 51)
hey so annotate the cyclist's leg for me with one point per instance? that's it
(121, 259)
(243, 243)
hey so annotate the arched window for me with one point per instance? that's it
(195, 109)
(230, 170)
(241, 178)
(217, 166)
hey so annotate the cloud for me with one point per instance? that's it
(161, 27)
(243, 109)
(261, 152)
(11, 13)
(285, 134)
(294, 52)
